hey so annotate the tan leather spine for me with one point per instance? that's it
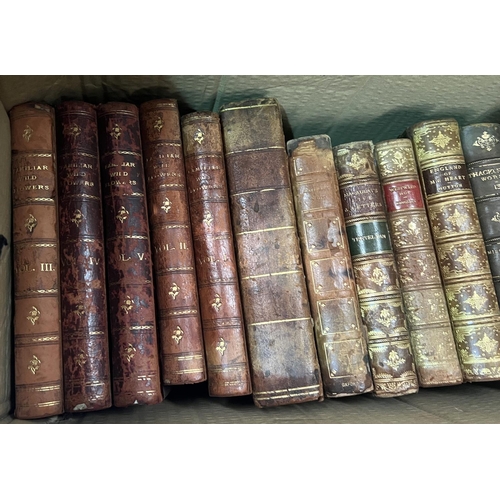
(460, 247)
(135, 365)
(283, 357)
(87, 379)
(427, 315)
(340, 333)
(183, 357)
(6, 298)
(220, 300)
(37, 318)
(377, 281)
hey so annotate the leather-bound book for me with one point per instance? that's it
(6, 298)
(228, 368)
(427, 315)
(460, 247)
(340, 332)
(180, 329)
(375, 271)
(37, 316)
(135, 368)
(280, 335)
(87, 383)
(481, 147)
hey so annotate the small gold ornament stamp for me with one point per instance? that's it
(166, 205)
(221, 346)
(394, 361)
(31, 223)
(216, 303)
(486, 141)
(80, 359)
(33, 315)
(158, 124)
(34, 365)
(174, 290)
(79, 310)
(178, 334)
(73, 130)
(130, 351)
(122, 214)
(208, 218)
(77, 217)
(199, 136)
(27, 133)
(116, 131)
(128, 304)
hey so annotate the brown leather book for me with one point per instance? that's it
(135, 366)
(340, 333)
(87, 382)
(380, 298)
(481, 146)
(37, 317)
(180, 329)
(220, 300)
(6, 298)
(427, 315)
(460, 247)
(280, 335)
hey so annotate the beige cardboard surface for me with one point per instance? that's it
(348, 108)
(5, 265)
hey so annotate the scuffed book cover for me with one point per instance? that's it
(481, 147)
(220, 300)
(427, 315)
(180, 329)
(340, 332)
(379, 292)
(135, 368)
(6, 298)
(460, 247)
(87, 380)
(280, 335)
(37, 317)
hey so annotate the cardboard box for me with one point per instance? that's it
(347, 108)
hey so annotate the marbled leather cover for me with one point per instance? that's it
(87, 381)
(220, 300)
(134, 346)
(180, 330)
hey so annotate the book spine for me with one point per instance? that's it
(132, 322)
(37, 317)
(375, 271)
(180, 329)
(6, 297)
(85, 345)
(280, 335)
(427, 315)
(340, 333)
(460, 247)
(481, 147)
(219, 291)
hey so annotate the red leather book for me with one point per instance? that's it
(132, 320)
(37, 317)
(281, 344)
(220, 301)
(87, 382)
(180, 330)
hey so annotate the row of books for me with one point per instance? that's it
(153, 250)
